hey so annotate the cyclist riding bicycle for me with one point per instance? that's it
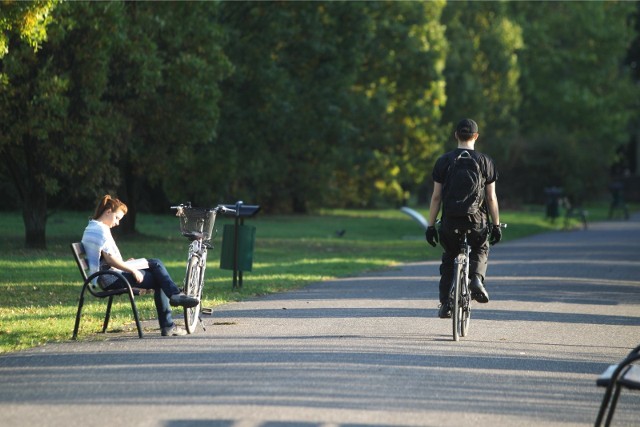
(465, 187)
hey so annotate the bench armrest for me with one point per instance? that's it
(103, 292)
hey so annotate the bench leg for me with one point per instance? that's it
(78, 315)
(135, 313)
(603, 406)
(612, 408)
(107, 315)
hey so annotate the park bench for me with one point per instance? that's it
(80, 256)
(626, 374)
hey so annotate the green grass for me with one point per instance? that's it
(40, 289)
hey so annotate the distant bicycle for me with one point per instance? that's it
(196, 224)
(459, 294)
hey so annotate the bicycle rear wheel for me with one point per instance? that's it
(456, 307)
(466, 309)
(193, 287)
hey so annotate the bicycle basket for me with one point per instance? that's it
(196, 223)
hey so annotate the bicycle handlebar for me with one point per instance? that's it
(182, 206)
(467, 231)
(219, 208)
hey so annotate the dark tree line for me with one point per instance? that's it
(297, 105)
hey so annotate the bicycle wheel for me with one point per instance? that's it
(193, 287)
(456, 307)
(466, 309)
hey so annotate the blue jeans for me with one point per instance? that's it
(155, 277)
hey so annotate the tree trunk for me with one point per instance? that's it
(34, 214)
(299, 205)
(129, 195)
(32, 193)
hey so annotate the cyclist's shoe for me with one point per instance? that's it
(173, 331)
(183, 300)
(478, 292)
(444, 311)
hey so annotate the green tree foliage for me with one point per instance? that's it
(284, 123)
(331, 102)
(296, 105)
(164, 85)
(577, 96)
(633, 54)
(91, 112)
(53, 116)
(483, 74)
(400, 91)
(24, 20)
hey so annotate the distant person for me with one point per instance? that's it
(103, 253)
(465, 187)
(554, 198)
(617, 199)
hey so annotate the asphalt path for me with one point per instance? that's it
(367, 351)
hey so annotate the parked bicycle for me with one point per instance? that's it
(196, 224)
(459, 295)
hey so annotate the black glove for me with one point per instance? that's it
(496, 234)
(432, 235)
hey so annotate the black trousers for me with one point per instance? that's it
(450, 242)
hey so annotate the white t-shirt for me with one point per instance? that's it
(96, 239)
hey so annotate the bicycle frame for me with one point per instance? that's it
(198, 226)
(196, 264)
(197, 248)
(460, 297)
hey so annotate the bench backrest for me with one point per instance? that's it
(81, 258)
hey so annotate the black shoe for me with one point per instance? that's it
(444, 311)
(183, 300)
(173, 331)
(478, 292)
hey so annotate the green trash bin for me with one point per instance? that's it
(246, 241)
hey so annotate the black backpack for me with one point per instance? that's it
(463, 187)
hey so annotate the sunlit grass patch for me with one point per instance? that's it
(41, 288)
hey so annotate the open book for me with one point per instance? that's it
(138, 264)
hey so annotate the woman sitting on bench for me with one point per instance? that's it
(103, 253)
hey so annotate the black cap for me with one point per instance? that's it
(466, 127)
